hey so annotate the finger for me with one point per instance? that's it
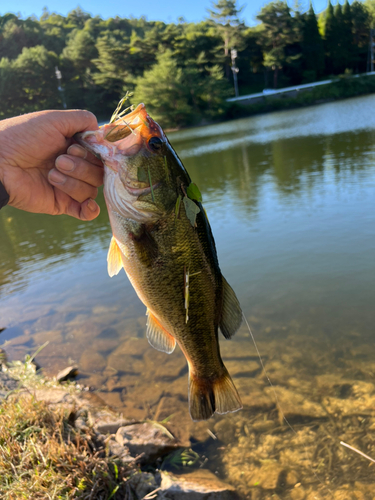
(80, 169)
(77, 150)
(76, 189)
(76, 120)
(88, 210)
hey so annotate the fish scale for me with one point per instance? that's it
(169, 255)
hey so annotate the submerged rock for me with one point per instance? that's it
(53, 396)
(295, 406)
(92, 361)
(199, 484)
(67, 373)
(107, 423)
(269, 476)
(147, 440)
(142, 484)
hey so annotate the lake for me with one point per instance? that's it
(290, 199)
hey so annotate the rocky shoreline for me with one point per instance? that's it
(143, 446)
(326, 395)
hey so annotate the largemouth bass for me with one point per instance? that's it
(163, 240)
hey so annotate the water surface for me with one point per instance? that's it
(290, 198)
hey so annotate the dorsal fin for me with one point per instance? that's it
(231, 315)
(157, 336)
(114, 258)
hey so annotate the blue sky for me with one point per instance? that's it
(164, 10)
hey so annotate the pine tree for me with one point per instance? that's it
(370, 6)
(361, 20)
(225, 14)
(111, 68)
(178, 95)
(339, 51)
(77, 55)
(312, 47)
(347, 35)
(276, 35)
(330, 34)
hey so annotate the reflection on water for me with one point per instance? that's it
(290, 198)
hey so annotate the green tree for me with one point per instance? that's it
(9, 86)
(77, 66)
(276, 34)
(330, 37)
(340, 50)
(361, 19)
(111, 69)
(370, 6)
(36, 69)
(28, 83)
(77, 18)
(347, 35)
(312, 47)
(17, 34)
(55, 31)
(225, 15)
(178, 96)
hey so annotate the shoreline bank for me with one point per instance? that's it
(59, 440)
(341, 88)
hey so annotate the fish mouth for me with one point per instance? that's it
(124, 137)
(141, 191)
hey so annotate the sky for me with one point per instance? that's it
(163, 10)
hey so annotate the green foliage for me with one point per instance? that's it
(28, 83)
(182, 71)
(370, 6)
(77, 67)
(185, 457)
(340, 89)
(177, 95)
(276, 35)
(361, 19)
(312, 46)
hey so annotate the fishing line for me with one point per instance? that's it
(278, 403)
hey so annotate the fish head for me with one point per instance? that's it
(140, 169)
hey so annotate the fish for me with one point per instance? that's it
(163, 240)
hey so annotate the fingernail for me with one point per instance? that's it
(77, 150)
(92, 205)
(56, 177)
(64, 163)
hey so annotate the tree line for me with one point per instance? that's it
(181, 70)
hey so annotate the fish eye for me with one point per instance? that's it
(155, 143)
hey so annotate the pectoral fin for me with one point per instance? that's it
(157, 336)
(231, 316)
(114, 258)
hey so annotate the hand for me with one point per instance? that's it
(41, 168)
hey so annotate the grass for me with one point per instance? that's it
(42, 456)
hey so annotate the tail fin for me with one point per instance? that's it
(207, 396)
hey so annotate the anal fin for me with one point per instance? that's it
(114, 258)
(231, 315)
(157, 336)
